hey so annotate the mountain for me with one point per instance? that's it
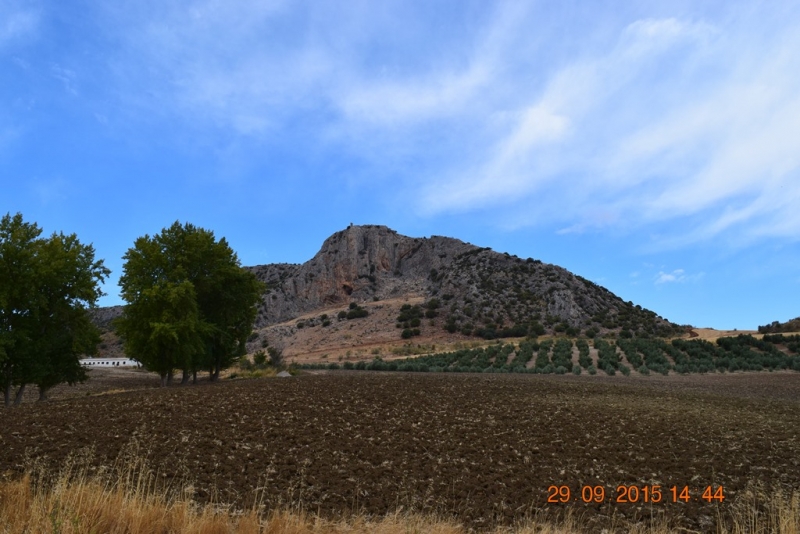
(475, 291)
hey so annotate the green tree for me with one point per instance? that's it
(190, 305)
(47, 286)
(162, 328)
(68, 288)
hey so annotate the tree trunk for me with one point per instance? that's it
(42, 394)
(7, 395)
(194, 376)
(169, 378)
(20, 393)
(185, 377)
(164, 380)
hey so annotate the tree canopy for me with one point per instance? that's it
(47, 286)
(190, 305)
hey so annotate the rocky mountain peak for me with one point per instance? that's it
(359, 263)
(480, 291)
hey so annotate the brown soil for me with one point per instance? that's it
(482, 449)
(102, 381)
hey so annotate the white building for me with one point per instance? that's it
(110, 362)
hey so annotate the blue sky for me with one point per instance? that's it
(652, 147)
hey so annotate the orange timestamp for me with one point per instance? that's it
(635, 494)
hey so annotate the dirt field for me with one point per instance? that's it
(481, 448)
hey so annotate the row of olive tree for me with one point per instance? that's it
(47, 286)
(190, 305)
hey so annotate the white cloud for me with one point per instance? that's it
(679, 122)
(452, 87)
(67, 77)
(678, 119)
(561, 131)
(213, 62)
(677, 276)
(537, 125)
(393, 102)
(51, 191)
(18, 21)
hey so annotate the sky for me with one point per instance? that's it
(651, 147)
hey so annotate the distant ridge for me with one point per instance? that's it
(776, 327)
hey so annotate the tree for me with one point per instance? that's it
(47, 286)
(162, 328)
(69, 286)
(190, 305)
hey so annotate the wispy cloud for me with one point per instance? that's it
(684, 123)
(676, 276)
(18, 21)
(710, 136)
(67, 77)
(50, 191)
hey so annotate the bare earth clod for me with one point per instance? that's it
(480, 449)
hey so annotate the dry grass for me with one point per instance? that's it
(127, 502)
(711, 334)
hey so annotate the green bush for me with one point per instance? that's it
(356, 313)
(275, 356)
(573, 332)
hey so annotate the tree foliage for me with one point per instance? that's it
(190, 305)
(47, 286)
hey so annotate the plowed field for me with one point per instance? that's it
(483, 449)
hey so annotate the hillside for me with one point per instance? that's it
(369, 286)
(777, 327)
(454, 290)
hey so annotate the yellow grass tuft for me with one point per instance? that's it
(77, 503)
